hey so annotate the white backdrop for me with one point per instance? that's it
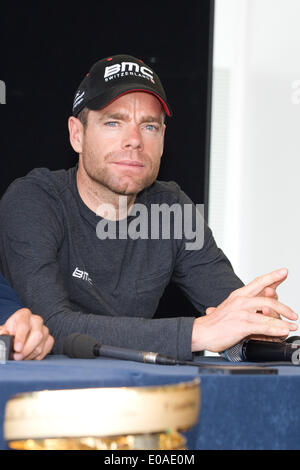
(255, 149)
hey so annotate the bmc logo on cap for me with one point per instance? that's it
(132, 67)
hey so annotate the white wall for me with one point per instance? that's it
(255, 152)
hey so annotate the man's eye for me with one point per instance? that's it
(111, 124)
(151, 127)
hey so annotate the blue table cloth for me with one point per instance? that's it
(243, 412)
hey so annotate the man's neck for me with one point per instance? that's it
(102, 200)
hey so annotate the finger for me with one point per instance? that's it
(47, 348)
(264, 323)
(270, 331)
(269, 312)
(43, 347)
(276, 284)
(266, 280)
(269, 292)
(34, 354)
(35, 338)
(22, 329)
(33, 346)
(263, 303)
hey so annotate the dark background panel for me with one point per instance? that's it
(47, 49)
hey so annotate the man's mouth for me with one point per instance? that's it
(131, 163)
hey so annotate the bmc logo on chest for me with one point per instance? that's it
(128, 67)
(82, 275)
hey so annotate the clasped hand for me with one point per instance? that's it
(32, 339)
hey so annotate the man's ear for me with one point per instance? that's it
(76, 132)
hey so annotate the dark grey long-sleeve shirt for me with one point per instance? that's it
(109, 288)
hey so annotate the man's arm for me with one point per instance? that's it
(30, 240)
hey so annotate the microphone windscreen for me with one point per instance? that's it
(80, 346)
(235, 353)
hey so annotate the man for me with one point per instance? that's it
(71, 246)
(31, 336)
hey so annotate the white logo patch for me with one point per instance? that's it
(82, 275)
(127, 68)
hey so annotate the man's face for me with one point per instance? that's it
(123, 143)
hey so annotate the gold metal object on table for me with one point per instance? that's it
(103, 418)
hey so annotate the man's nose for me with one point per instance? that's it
(133, 138)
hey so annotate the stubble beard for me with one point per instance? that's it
(104, 177)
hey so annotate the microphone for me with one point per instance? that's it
(264, 351)
(82, 346)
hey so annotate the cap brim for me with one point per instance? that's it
(106, 98)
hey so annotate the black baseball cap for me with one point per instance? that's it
(114, 76)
